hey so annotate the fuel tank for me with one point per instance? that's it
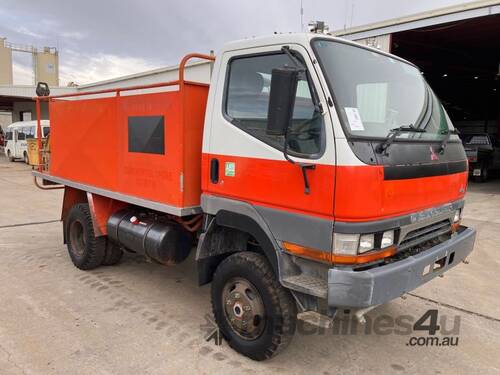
(167, 243)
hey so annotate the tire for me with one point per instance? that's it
(9, 156)
(26, 158)
(484, 174)
(272, 311)
(85, 250)
(113, 254)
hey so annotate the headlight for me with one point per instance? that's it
(458, 216)
(366, 243)
(387, 239)
(345, 244)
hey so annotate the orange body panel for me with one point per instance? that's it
(101, 208)
(89, 144)
(361, 193)
(71, 197)
(273, 183)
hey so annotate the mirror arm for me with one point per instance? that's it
(303, 166)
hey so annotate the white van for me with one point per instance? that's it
(16, 146)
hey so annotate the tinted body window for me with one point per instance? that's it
(146, 134)
(8, 136)
(30, 132)
(247, 102)
(45, 131)
(20, 135)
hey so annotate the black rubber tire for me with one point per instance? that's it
(279, 305)
(11, 159)
(92, 249)
(26, 158)
(484, 174)
(113, 254)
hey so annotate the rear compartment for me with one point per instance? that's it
(133, 144)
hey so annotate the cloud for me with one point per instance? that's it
(75, 35)
(83, 69)
(22, 74)
(125, 37)
(25, 31)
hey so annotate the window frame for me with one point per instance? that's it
(314, 97)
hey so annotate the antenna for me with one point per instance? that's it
(301, 16)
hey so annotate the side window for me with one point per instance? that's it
(8, 136)
(21, 136)
(30, 132)
(46, 131)
(247, 102)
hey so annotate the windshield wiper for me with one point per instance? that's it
(444, 142)
(393, 133)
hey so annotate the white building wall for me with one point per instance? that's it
(5, 120)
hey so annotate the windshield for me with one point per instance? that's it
(375, 93)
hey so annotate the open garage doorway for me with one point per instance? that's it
(461, 62)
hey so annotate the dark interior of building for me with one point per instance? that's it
(461, 62)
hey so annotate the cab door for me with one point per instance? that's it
(248, 164)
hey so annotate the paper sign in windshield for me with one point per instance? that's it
(354, 119)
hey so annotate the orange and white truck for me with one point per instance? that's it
(312, 174)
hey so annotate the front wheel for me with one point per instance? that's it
(9, 156)
(26, 158)
(255, 314)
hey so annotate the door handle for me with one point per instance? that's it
(214, 171)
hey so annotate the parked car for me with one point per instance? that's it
(483, 153)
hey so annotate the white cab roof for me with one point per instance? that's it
(303, 39)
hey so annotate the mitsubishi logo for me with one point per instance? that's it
(434, 156)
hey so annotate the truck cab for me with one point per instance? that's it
(360, 197)
(312, 175)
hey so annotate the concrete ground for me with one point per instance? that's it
(142, 318)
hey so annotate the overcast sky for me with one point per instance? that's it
(102, 39)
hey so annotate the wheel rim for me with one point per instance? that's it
(77, 238)
(243, 308)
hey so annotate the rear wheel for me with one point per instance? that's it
(255, 314)
(26, 158)
(9, 156)
(85, 249)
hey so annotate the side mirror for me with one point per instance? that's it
(281, 100)
(42, 89)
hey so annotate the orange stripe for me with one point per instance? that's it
(362, 194)
(327, 257)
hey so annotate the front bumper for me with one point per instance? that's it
(348, 288)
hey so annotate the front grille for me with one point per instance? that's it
(424, 234)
